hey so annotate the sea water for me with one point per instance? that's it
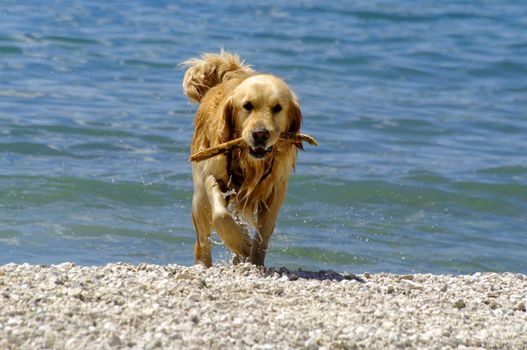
(420, 109)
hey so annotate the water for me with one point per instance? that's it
(420, 110)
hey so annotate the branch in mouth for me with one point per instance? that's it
(227, 146)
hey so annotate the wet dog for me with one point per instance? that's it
(236, 101)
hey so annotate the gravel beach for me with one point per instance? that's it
(225, 307)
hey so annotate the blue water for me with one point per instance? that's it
(420, 109)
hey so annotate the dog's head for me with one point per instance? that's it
(259, 109)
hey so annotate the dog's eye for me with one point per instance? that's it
(277, 108)
(248, 106)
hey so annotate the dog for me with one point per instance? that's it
(235, 101)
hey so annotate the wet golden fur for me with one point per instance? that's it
(237, 102)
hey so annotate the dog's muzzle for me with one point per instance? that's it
(260, 152)
(259, 149)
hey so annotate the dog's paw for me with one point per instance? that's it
(236, 260)
(245, 246)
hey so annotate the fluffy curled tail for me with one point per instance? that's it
(209, 70)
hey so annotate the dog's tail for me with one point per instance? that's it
(209, 70)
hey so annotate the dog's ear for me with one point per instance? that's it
(227, 132)
(295, 119)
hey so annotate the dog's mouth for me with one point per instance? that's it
(260, 152)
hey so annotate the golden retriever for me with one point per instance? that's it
(237, 102)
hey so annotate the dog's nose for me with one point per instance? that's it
(260, 135)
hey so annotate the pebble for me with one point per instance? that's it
(411, 284)
(114, 340)
(520, 306)
(145, 306)
(459, 304)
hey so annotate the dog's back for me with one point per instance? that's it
(210, 70)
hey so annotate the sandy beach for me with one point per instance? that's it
(125, 306)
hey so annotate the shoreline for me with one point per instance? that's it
(144, 306)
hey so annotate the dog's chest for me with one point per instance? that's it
(241, 175)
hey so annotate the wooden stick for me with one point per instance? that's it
(214, 151)
(295, 138)
(227, 146)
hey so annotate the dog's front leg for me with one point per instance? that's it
(234, 237)
(200, 219)
(266, 220)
